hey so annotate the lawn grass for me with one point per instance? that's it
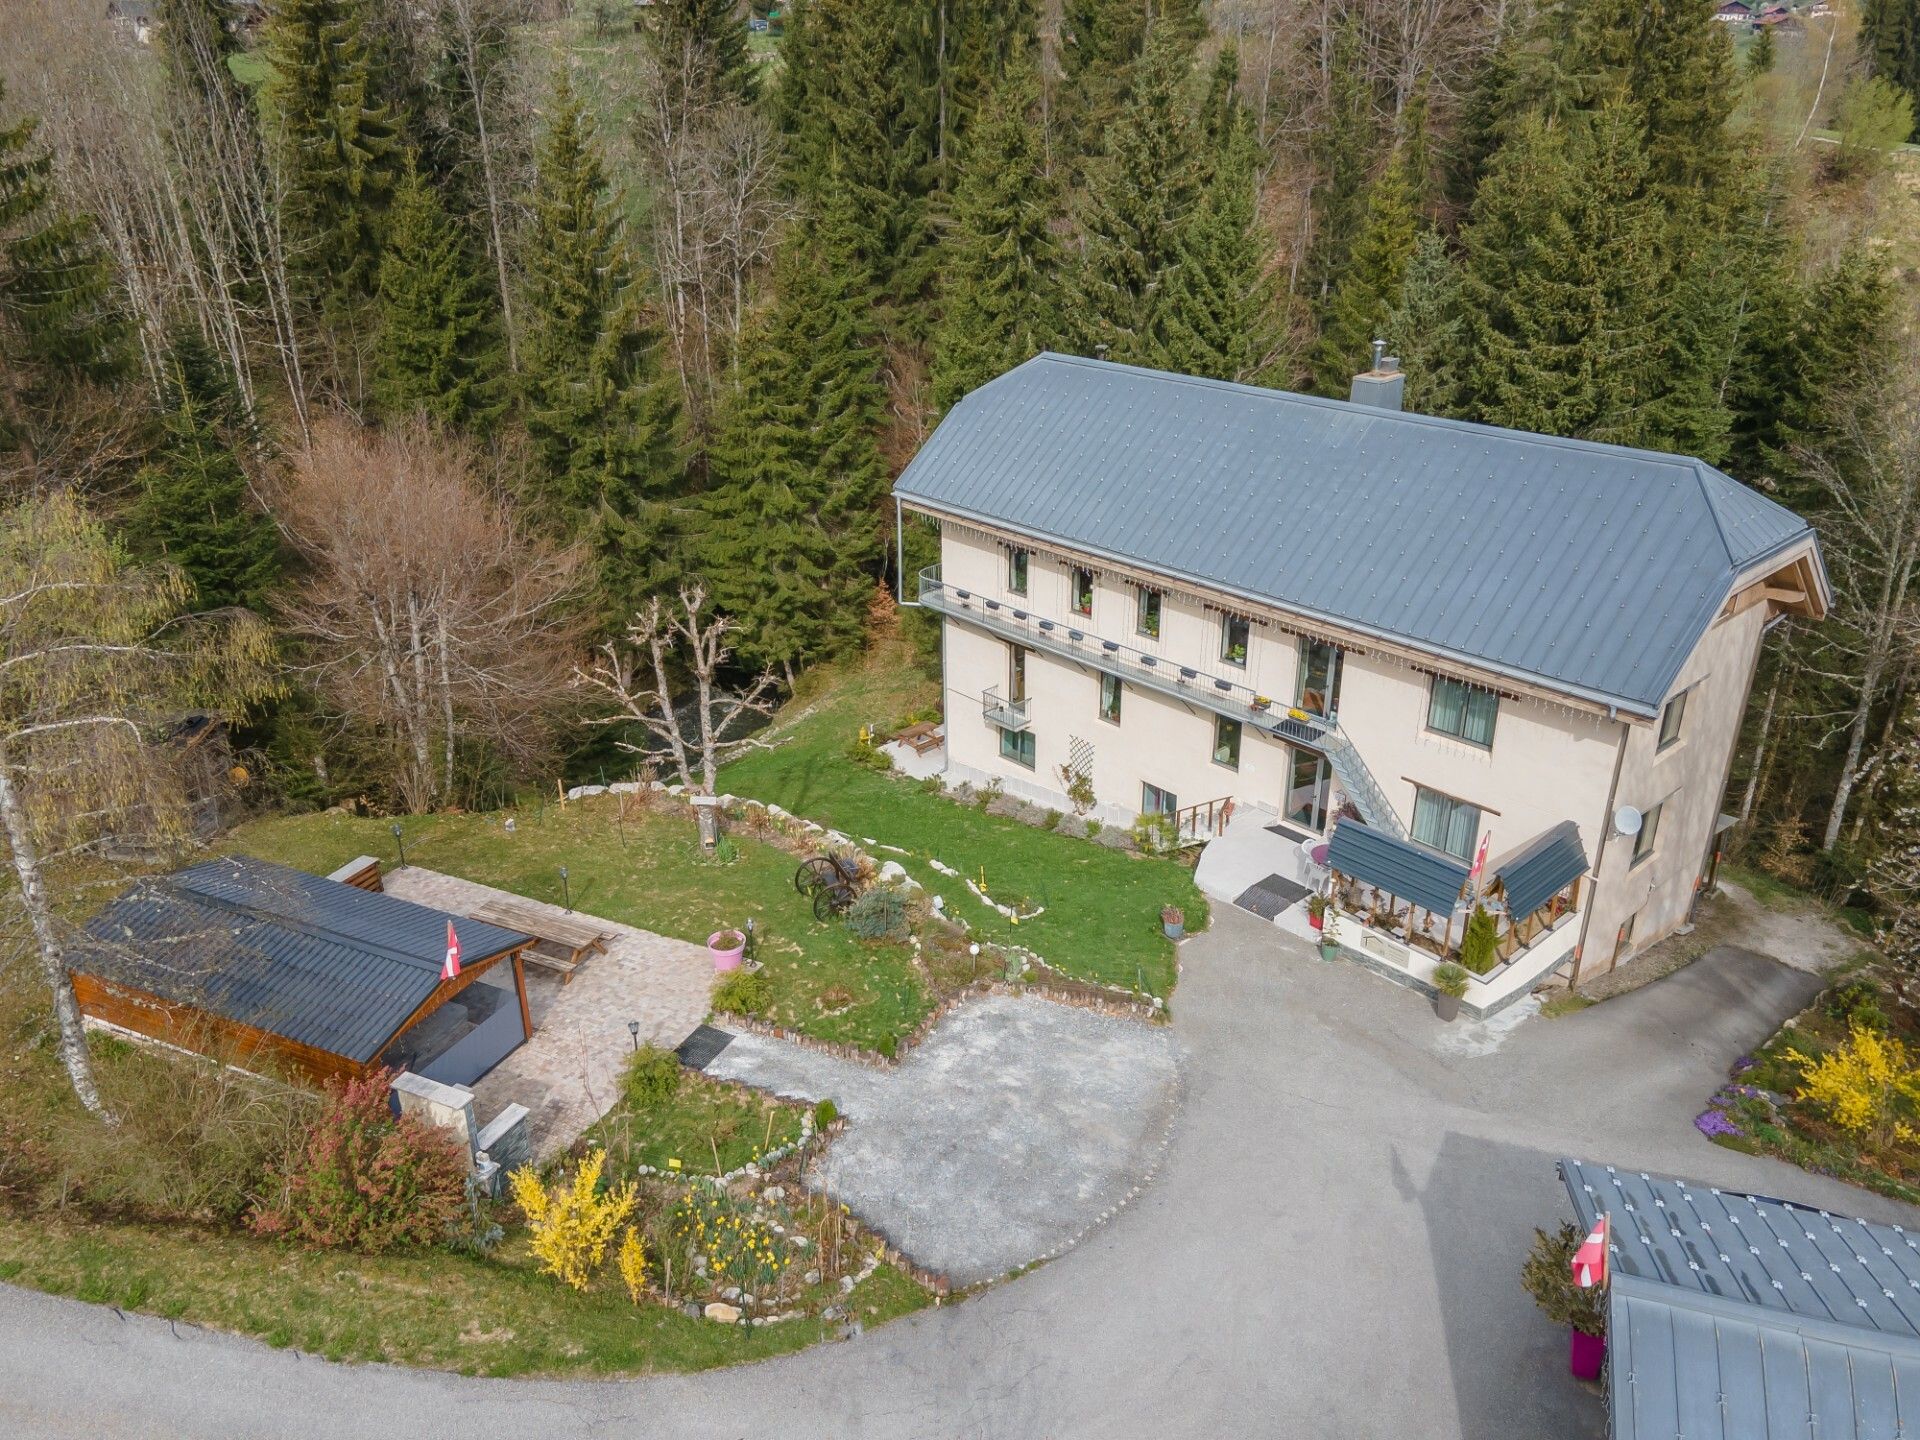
(703, 1120)
(479, 1317)
(645, 870)
(1102, 919)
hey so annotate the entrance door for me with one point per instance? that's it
(1309, 782)
(1319, 678)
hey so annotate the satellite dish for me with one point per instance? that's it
(1626, 821)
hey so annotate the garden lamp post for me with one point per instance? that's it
(749, 945)
(566, 891)
(633, 1029)
(400, 839)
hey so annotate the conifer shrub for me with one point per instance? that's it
(1478, 946)
(880, 915)
(742, 992)
(653, 1077)
(366, 1179)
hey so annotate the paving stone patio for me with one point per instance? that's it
(1016, 1125)
(568, 1075)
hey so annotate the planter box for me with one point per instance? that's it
(1586, 1355)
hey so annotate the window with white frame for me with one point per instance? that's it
(1155, 801)
(1082, 591)
(1463, 711)
(1673, 718)
(1017, 746)
(1445, 823)
(1017, 572)
(1147, 613)
(1234, 630)
(1111, 689)
(1226, 742)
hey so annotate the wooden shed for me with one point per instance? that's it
(263, 964)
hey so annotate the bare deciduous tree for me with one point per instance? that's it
(97, 664)
(1871, 536)
(634, 675)
(430, 613)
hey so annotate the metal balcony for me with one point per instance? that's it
(1155, 672)
(1007, 714)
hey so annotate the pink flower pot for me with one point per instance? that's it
(1586, 1354)
(726, 947)
(1316, 921)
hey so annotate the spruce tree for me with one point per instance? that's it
(713, 35)
(602, 420)
(1424, 328)
(438, 351)
(1000, 270)
(860, 117)
(337, 141)
(1890, 44)
(1371, 284)
(1102, 42)
(1217, 315)
(1139, 195)
(1760, 53)
(194, 507)
(791, 547)
(1561, 283)
(60, 321)
(1485, 118)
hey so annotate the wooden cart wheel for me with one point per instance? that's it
(826, 904)
(814, 873)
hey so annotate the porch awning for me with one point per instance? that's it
(1541, 868)
(1411, 872)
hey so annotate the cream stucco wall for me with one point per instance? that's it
(1547, 763)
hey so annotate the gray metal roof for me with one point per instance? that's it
(1694, 1366)
(1589, 568)
(1403, 868)
(1541, 868)
(1750, 1318)
(293, 954)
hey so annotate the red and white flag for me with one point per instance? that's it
(1590, 1260)
(1479, 861)
(452, 967)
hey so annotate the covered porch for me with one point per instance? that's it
(1402, 909)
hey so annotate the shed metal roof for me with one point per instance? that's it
(1404, 868)
(1592, 569)
(306, 958)
(1743, 1317)
(1541, 868)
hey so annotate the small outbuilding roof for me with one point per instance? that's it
(312, 960)
(1403, 868)
(1743, 1317)
(1590, 569)
(1541, 868)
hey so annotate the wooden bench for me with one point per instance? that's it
(921, 737)
(560, 943)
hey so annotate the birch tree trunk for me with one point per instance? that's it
(46, 940)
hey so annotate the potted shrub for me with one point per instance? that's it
(1173, 921)
(1317, 911)
(1451, 981)
(726, 947)
(1329, 947)
(1548, 1278)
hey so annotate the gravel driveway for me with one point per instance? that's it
(1016, 1125)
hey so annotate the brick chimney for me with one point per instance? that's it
(1383, 385)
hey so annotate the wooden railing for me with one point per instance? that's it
(1204, 821)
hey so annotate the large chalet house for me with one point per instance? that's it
(1403, 639)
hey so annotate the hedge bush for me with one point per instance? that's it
(742, 992)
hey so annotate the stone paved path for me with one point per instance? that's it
(1012, 1128)
(568, 1075)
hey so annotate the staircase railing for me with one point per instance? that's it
(1204, 821)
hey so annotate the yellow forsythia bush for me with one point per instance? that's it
(571, 1225)
(632, 1260)
(1866, 1086)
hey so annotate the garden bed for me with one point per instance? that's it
(1861, 1125)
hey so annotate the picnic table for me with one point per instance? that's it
(561, 943)
(921, 737)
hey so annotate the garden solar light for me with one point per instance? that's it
(400, 839)
(566, 891)
(633, 1029)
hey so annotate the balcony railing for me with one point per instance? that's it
(1222, 696)
(1007, 714)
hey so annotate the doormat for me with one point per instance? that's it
(1269, 897)
(703, 1047)
(1287, 832)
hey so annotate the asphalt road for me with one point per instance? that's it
(1331, 1248)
